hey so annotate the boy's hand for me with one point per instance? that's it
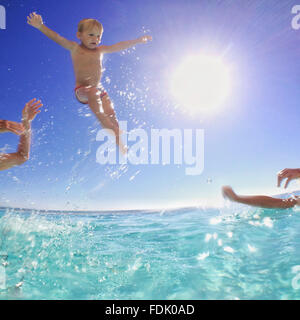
(35, 20)
(144, 39)
(30, 110)
(11, 126)
(289, 174)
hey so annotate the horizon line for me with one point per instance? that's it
(111, 210)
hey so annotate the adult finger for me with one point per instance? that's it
(17, 132)
(37, 106)
(13, 127)
(37, 110)
(279, 179)
(29, 103)
(32, 100)
(281, 172)
(287, 182)
(18, 126)
(35, 103)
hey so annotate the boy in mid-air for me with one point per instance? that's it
(87, 63)
(265, 201)
(8, 160)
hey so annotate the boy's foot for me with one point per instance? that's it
(229, 193)
(123, 149)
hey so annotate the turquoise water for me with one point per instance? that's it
(229, 253)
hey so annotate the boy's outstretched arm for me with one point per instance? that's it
(9, 160)
(36, 21)
(125, 44)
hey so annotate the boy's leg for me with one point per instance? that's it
(108, 109)
(107, 121)
(95, 104)
(260, 201)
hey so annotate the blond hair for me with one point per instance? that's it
(88, 24)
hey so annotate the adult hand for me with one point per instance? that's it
(11, 126)
(288, 174)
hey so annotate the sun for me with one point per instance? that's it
(201, 84)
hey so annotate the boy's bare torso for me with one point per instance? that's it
(87, 65)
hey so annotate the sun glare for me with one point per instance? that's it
(201, 84)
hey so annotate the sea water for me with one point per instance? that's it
(192, 253)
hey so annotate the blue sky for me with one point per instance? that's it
(253, 135)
